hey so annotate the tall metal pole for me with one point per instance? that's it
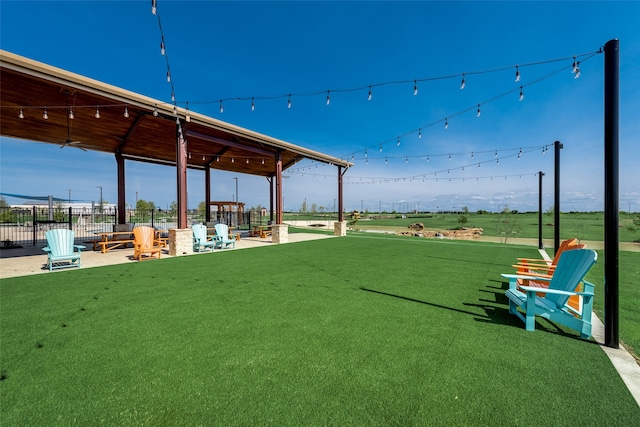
(100, 187)
(556, 201)
(540, 175)
(611, 176)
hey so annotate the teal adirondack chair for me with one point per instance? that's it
(201, 242)
(222, 237)
(61, 251)
(570, 271)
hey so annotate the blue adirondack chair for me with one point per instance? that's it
(569, 273)
(61, 251)
(222, 238)
(201, 242)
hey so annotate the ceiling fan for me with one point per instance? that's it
(69, 141)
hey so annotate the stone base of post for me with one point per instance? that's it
(180, 242)
(280, 233)
(340, 228)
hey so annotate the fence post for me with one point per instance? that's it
(70, 219)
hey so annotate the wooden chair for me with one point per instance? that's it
(569, 273)
(201, 242)
(144, 243)
(60, 247)
(545, 268)
(222, 237)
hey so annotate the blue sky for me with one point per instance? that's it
(226, 50)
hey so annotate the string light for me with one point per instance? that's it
(478, 113)
(97, 115)
(420, 133)
(472, 154)
(154, 7)
(289, 102)
(155, 111)
(398, 143)
(415, 87)
(574, 67)
(263, 161)
(45, 115)
(21, 114)
(521, 97)
(381, 148)
(221, 107)
(328, 97)
(370, 94)
(446, 123)
(126, 112)
(169, 76)
(71, 116)
(449, 157)
(233, 160)
(517, 74)
(577, 73)
(162, 49)
(253, 105)
(464, 83)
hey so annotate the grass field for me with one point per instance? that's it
(581, 225)
(362, 330)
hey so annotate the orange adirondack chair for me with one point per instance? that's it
(545, 269)
(145, 243)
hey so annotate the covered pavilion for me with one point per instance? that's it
(47, 104)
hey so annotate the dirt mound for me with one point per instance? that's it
(464, 233)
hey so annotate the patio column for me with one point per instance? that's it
(122, 204)
(207, 193)
(181, 177)
(278, 188)
(340, 227)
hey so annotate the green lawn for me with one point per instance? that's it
(362, 330)
(581, 225)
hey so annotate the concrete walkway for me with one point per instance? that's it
(32, 260)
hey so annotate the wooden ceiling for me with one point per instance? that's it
(149, 133)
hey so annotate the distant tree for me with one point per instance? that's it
(508, 225)
(321, 209)
(462, 218)
(58, 212)
(303, 207)
(202, 208)
(3, 203)
(173, 208)
(550, 211)
(314, 208)
(635, 226)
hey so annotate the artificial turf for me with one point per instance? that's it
(362, 330)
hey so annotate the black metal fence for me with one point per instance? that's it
(20, 226)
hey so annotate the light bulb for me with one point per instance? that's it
(419, 133)
(97, 116)
(71, 116)
(517, 74)
(126, 112)
(289, 102)
(575, 65)
(189, 156)
(370, 94)
(577, 74)
(233, 160)
(463, 83)
(449, 156)
(478, 113)
(446, 124)
(154, 7)
(21, 114)
(45, 115)
(263, 161)
(406, 159)
(427, 159)
(155, 111)
(169, 76)
(162, 50)
(386, 161)
(521, 94)
(415, 88)
(381, 148)
(328, 98)
(173, 96)
(398, 143)
(221, 107)
(472, 154)
(253, 105)
(247, 160)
